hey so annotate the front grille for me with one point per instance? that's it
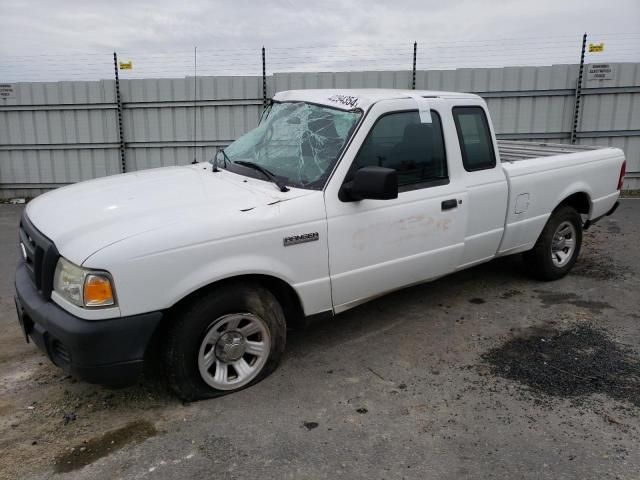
(40, 255)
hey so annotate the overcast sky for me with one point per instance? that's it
(44, 39)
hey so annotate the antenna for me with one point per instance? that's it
(195, 87)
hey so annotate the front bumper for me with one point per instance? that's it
(108, 352)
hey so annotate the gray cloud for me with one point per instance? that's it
(159, 35)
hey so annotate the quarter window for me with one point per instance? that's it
(415, 150)
(475, 138)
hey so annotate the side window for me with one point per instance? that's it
(475, 138)
(415, 150)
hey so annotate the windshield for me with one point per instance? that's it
(297, 141)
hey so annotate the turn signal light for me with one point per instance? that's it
(98, 291)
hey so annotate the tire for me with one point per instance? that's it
(235, 330)
(549, 260)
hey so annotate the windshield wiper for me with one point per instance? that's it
(215, 160)
(226, 157)
(264, 171)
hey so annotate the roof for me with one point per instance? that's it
(348, 98)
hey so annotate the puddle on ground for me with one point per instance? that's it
(87, 453)
(571, 363)
(554, 298)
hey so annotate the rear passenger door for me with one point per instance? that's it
(484, 180)
(376, 246)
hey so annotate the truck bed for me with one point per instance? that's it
(552, 173)
(515, 151)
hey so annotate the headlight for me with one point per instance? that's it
(68, 281)
(83, 287)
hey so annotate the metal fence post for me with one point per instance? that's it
(576, 108)
(264, 79)
(195, 105)
(123, 160)
(415, 53)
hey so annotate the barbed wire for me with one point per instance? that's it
(431, 55)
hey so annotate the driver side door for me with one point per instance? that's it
(376, 246)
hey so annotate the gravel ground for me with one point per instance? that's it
(482, 374)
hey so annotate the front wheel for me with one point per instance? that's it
(224, 341)
(558, 246)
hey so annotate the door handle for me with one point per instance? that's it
(449, 204)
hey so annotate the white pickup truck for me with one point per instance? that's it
(336, 197)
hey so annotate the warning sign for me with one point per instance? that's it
(596, 47)
(126, 65)
(7, 91)
(601, 71)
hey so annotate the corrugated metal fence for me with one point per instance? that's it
(56, 133)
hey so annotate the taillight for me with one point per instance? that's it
(623, 170)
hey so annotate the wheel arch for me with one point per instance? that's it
(579, 200)
(286, 295)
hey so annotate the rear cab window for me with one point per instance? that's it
(475, 139)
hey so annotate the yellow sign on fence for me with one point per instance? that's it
(126, 65)
(596, 47)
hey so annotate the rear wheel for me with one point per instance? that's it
(225, 341)
(558, 246)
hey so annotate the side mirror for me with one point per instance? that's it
(375, 183)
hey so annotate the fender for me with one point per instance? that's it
(578, 187)
(314, 295)
(575, 187)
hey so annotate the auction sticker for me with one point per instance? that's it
(346, 100)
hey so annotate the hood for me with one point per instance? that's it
(88, 216)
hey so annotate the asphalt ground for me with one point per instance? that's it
(482, 374)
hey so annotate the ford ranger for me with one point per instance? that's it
(336, 197)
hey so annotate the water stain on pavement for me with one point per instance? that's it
(549, 299)
(96, 448)
(571, 363)
(600, 267)
(613, 227)
(510, 293)
(477, 301)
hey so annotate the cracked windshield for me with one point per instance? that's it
(298, 142)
